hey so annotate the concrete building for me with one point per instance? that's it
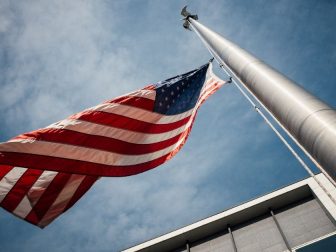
(300, 217)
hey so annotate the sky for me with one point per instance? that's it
(59, 57)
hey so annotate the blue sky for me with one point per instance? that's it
(59, 57)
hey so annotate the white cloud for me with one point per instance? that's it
(58, 61)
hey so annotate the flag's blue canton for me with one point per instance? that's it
(180, 93)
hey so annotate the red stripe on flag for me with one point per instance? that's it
(81, 190)
(134, 101)
(48, 197)
(123, 122)
(20, 189)
(83, 167)
(97, 142)
(4, 169)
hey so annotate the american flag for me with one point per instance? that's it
(44, 172)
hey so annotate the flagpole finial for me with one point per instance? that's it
(186, 14)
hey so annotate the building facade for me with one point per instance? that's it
(300, 217)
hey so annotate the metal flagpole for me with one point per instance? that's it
(285, 142)
(309, 121)
(229, 72)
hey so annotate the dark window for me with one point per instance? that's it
(325, 245)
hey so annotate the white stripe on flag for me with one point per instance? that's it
(31, 146)
(23, 208)
(9, 180)
(144, 93)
